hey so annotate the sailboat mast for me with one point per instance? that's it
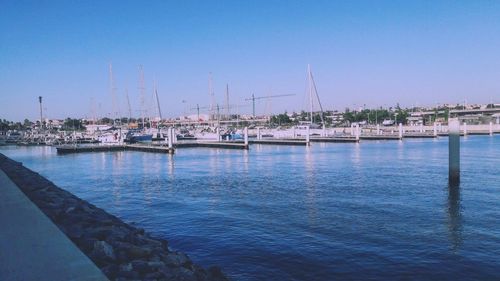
(129, 108)
(212, 96)
(158, 101)
(309, 78)
(317, 97)
(227, 102)
(141, 89)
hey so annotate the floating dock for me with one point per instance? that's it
(333, 139)
(279, 142)
(379, 137)
(226, 145)
(419, 135)
(66, 149)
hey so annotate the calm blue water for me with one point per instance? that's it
(374, 210)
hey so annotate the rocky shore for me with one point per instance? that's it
(121, 251)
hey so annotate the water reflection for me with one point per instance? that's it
(454, 217)
(171, 166)
(310, 182)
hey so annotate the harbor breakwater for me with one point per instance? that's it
(121, 251)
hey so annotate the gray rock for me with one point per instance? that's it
(138, 252)
(176, 259)
(103, 251)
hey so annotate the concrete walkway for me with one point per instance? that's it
(32, 247)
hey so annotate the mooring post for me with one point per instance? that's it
(421, 127)
(357, 132)
(308, 137)
(245, 137)
(170, 137)
(217, 132)
(258, 133)
(465, 129)
(352, 129)
(400, 131)
(174, 135)
(378, 129)
(491, 128)
(435, 130)
(454, 150)
(324, 131)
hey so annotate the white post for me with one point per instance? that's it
(307, 135)
(324, 131)
(174, 135)
(217, 132)
(170, 137)
(435, 129)
(245, 137)
(400, 130)
(465, 129)
(258, 134)
(378, 129)
(357, 132)
(491, 128)
(454, 151)
(421, 127)
(352, 129)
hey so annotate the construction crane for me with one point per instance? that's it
(253, 98)
(217, 110)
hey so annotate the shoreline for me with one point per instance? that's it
(120, 250)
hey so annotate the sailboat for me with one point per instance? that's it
(313, 92)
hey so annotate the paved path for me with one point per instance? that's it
(32, 247)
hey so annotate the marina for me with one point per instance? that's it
(249, 140)
(240, 193)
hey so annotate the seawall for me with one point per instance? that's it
(121, 251)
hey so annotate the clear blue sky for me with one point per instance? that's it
(361, 52)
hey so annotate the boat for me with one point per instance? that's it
(138, 136)
(388, 122)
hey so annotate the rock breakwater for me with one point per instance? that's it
(121, 251)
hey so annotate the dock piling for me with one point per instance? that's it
(400, 130)
(245, 133)
(454, 151)
(308, 135)
(170, 137)
(357, 132)
(259, 136)
(435, 129)
(465, 129)
(217, 132)
(491, 128)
